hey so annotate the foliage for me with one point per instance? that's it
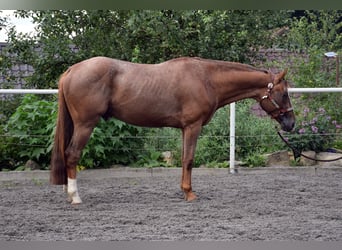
(31, 129)
(112, 142)
(254, 134)
(315, 131)
(314, 34)
(338, 144)
(310, 72)
(216, 164)
(64, 37)
(255, 160)
(151, 159)
(213, 144)
(8, 107)
(310, 36)
(159, 140)
(3, 21)
(315, 29)
(7, 152)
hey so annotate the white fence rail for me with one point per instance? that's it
(29, 91)
(232, 168)
(314, 90)
(55, 91)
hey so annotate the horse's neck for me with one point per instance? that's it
(232, 86)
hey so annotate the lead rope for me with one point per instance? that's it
(300, 153)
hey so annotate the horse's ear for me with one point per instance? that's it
(280, 76)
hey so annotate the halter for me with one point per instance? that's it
(278, 111)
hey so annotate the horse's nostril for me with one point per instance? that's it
(293, 125)
(287, 125)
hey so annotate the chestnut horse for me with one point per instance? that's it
(182, 93)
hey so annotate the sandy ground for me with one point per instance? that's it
(124, 204)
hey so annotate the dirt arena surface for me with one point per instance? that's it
(136, 204)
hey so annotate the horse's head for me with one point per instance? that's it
(276, 102)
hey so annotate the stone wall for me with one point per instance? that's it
(276, 59)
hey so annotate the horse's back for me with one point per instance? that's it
(171, 93)
(99, 66)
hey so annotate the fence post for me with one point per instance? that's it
(232, 168)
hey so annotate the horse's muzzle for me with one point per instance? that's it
(287, 121)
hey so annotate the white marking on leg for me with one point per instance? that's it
(74, 198)
(65, 188)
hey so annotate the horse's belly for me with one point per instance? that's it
(147, 120)
(148, 115)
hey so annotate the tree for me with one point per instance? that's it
(65, 37)
(317, 29)
(3, 21)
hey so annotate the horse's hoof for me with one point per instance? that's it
(76, 202)
(74, 199)
(190, 196)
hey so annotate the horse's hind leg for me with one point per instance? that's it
(79, 139)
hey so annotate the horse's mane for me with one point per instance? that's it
(224, 64)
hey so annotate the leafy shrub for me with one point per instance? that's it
(314, 131)
(31, 129)
(8, 106)
(112, 142)
(151, 159)
(213, 144)
(254, 135)
(215, 164)
(7, 155)
(255, 160)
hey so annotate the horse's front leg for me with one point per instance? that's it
(190, 136)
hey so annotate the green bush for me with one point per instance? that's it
(254, 135)
(151, 159)
(315, 131)
(213, 144)
(8, 153)
(155, 142)
(29, 131)
(112, 142)
(29, 134)
(255, 160)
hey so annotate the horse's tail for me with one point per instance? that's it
(63, 134)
